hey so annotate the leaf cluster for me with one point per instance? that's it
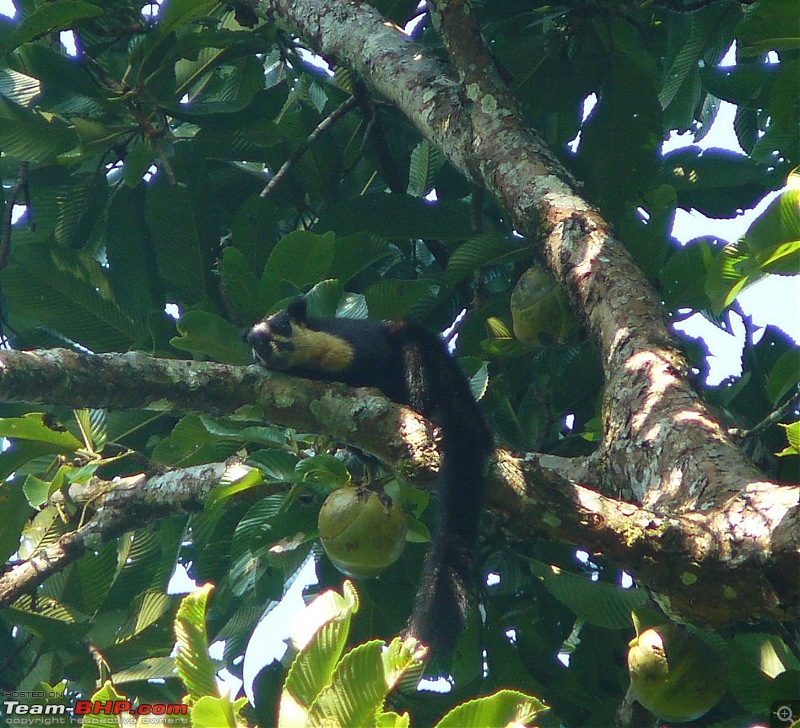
(137, 189)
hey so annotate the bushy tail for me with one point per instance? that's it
(444, 395)
(442, 603)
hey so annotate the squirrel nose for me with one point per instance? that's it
(256, 334)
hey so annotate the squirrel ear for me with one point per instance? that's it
(297, 310)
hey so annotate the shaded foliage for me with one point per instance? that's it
(133, 169)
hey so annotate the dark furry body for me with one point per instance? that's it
(412, 367)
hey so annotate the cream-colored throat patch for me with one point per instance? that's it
(320, 351)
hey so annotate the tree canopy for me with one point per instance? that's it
(172, 172)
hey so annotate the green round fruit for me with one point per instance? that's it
(361, 532)
(540, 312)
(674, 674)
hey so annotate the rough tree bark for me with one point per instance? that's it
(661, 445)
(715, 539)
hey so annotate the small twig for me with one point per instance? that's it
(476, 207)
(166, 166)
(320, 129)
(768, 421)
(21, 186)
(386, 164)
(686, 6)
(359, 155)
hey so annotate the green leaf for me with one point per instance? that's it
(717, 182)
(426, 161)
(152, 668)
(325, 470)
(226, 429)
(684, 274)
(45, 528)
(725, 280)
(481, 252)
(754, 659)
(355, 253)
(208, 335)
(203, 52)
(18, 87)
(768, 25)
(503, 708)
(357, 688)
(327, 298)
(36, 490)
(783, 259)
(251, 142)
(779, 223)
(327, 624)
(229, 486)
(783, 377)
(648, 240)
(129, 252)
(140, 157)
(479, 381)
(31, 136)
(93, 577)
(179, 12)
(96, 138)
(255, 230)
(298, 260)
(792, 438)
(278, 466)
(195, 667)
(51, 18)
(621, 139)
(395, 299)
(147, 609)
(595, 602)
(190, 443)
(57, 72)
(771, 245)
(399, 216)
(183, 231)
(741, 85)
(685, 63)
(241, 284)
(704, 37)
(108, 695)
(92, 424)
(212, 712)
(64, 291)
(80, 206)
(39, 427)
(16, 511)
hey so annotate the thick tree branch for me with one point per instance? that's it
(397, 435)
(121, 506)
(661, 445)
(684, 556)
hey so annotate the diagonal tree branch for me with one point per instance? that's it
(121, 506)
(296, 155)
(661, 445)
